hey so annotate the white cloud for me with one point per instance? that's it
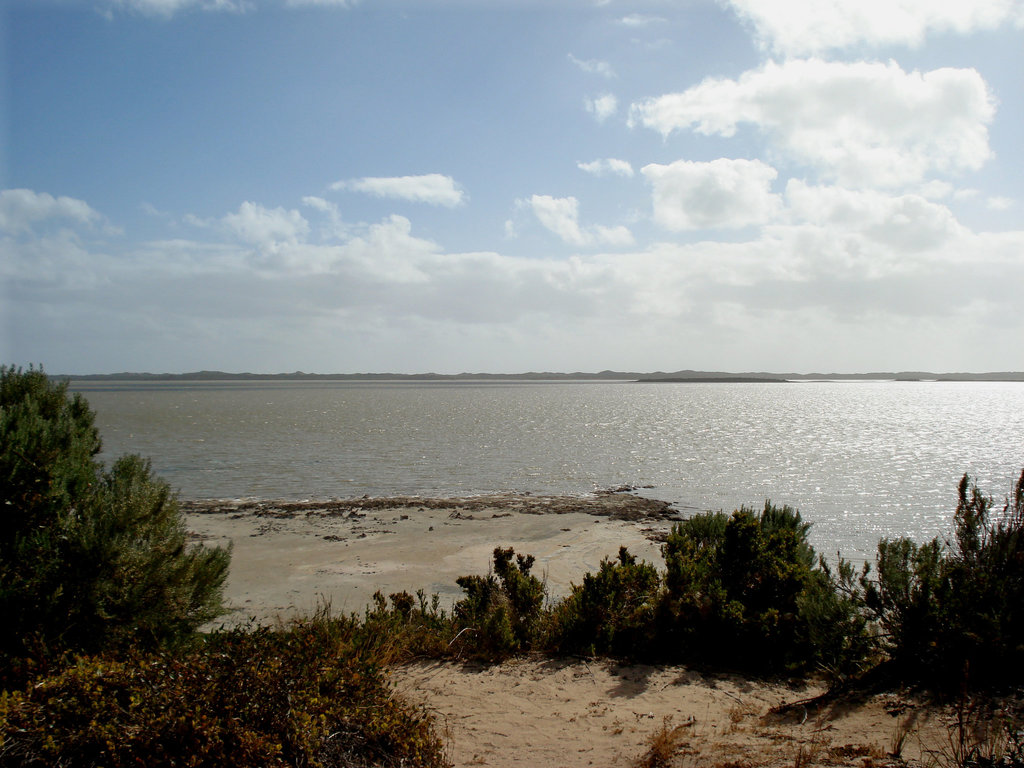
(605, 166)
(593, 66)
(561, 215)
(167, 8)
(640, 20)
(999, 203)
(335, 226)
(722, 193)
(22, 209)
(432, 188)
(936, 190)
(324, 3)
(619, 236)
(859, 124)
(151, 210)
(319, 204)
(266, 226)
(838, 264)
(387, 252)
(602, 107)
(909, 223)
(800, 27)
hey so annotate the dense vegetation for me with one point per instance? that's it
(102, 663)
(950, 612)
(312, 695)
(90, 558)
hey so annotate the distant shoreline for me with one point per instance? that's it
(713, 380)
(687, 376)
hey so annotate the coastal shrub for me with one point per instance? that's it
(747, 590)
(956, 606)
(309, 695)
(90, 558)
(611, 612)
(409, 626)
(501, 613)
(836, 623)
(904, 601)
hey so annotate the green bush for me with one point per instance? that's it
(409, 627)
(611, 612)
(745, 590)
(89, 558)
(953, 611)
(834, 622)
(742, 591)
(501, 613)
(312, 695)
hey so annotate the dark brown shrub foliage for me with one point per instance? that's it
(305, 695)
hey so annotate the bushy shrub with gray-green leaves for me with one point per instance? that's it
(742, 591)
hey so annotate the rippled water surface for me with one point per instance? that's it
(861, 460)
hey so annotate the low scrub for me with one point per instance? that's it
(312, 694)
(402, 627)
(742, 591)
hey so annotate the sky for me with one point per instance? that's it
(341, 186)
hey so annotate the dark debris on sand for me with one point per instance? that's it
(616, 504)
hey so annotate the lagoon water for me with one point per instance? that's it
(860, 460)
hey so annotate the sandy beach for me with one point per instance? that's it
(289, 558)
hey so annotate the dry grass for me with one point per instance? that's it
(664, 745)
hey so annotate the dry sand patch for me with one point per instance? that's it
(572, 713)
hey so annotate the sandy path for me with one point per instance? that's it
(599, 713)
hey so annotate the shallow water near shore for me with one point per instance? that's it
(859, 460)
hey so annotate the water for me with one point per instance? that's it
(860, 460)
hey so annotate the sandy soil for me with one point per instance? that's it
(290, 558)
(599, 713)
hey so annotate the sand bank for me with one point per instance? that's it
(290, 557)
